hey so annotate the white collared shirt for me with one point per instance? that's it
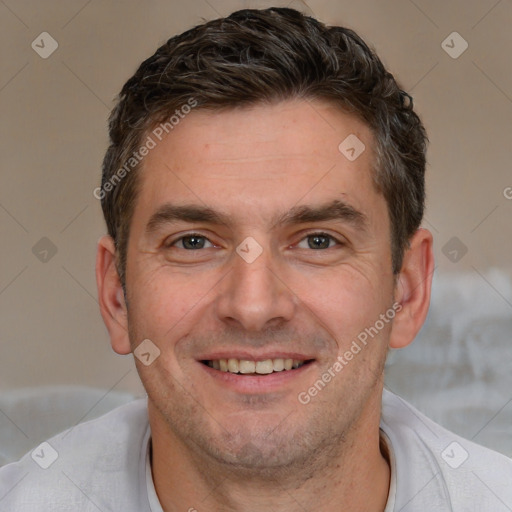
(104, 465)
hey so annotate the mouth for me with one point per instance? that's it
(252, 368)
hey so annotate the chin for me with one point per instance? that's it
(256, 449)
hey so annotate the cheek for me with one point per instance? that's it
(345, 302)
(166, 301)
(169, 303)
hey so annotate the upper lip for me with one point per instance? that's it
(252, 356)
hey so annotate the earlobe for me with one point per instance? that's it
(412, 290)
(111, 296)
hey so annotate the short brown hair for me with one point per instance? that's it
(255, 56)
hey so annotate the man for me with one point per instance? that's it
(263, 193)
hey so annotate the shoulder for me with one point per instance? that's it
(74, 466)
(436, 466)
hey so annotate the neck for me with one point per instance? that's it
(353, 474)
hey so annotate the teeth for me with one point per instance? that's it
(278, 365)
(245, 366)
(264, 367)
(233, 365)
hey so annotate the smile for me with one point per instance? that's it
(247, 367)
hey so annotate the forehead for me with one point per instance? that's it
(260, 158)
(293, 128)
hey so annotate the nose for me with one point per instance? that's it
(255, 295)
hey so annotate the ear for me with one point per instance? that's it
(412, 290)
(111, 296)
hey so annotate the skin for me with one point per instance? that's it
(225, 447)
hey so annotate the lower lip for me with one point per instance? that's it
(253, 384)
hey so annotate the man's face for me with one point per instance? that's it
(257, 286)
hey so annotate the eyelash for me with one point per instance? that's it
(316, 233)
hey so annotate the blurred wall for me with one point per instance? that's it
(54, 108)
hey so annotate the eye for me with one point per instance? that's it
(319, 241)
(190, 242)
(195, 241)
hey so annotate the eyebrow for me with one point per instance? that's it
(334, 210)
